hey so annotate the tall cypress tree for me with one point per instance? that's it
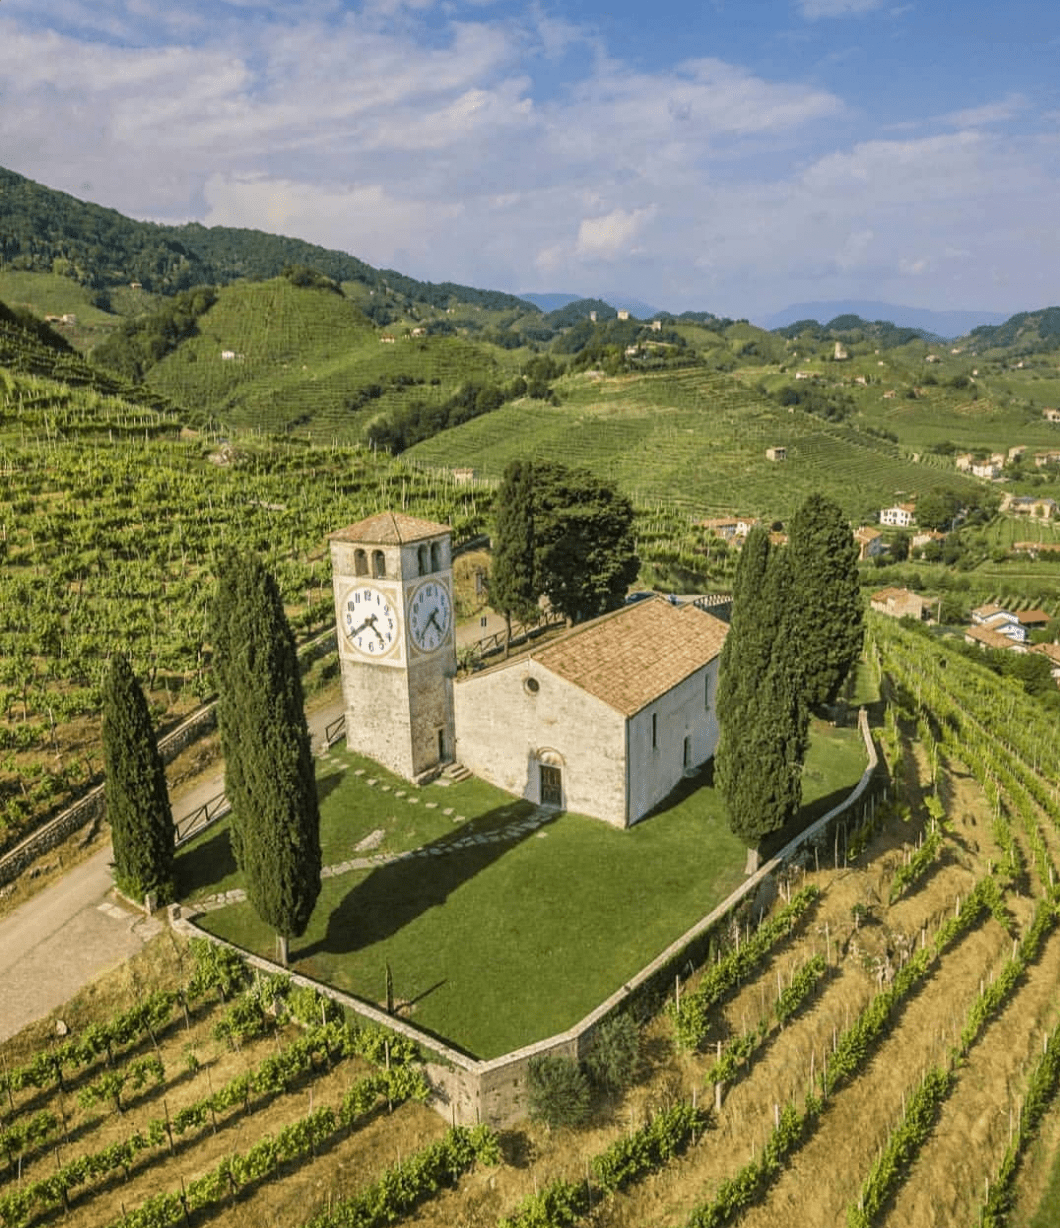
(761, 711)
(269, 773)
(138, 809)
(514, 590)
(826, 597)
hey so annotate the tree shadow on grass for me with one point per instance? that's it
(397, 892)
(204, 864)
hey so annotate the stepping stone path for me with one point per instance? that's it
(372, 841)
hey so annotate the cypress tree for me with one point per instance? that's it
(762, 715)
(514, 591)
(826, 600)
(138, 808)
(269, 774)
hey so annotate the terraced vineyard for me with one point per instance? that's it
(695, 439)
(302, 358)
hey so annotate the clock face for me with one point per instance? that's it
(370, 620)
(430, 616)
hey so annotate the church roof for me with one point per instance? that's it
(629, 658)
(390, 529)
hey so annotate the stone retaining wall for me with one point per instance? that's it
(467, 1091)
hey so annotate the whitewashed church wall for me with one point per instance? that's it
(502, 725)
(657, 762)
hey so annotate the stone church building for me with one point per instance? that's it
(604, 720)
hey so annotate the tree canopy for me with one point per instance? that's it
(574, 534)
(827, 609)
(762, 714)
(138, 808)
(269, 773)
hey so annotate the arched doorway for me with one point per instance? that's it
(550, 777)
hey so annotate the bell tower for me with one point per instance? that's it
(393, 580)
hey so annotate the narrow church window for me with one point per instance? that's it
(436, 557)
(706, 691)
(655, 731)
(422, 557)
(378, 564)
(360, 563)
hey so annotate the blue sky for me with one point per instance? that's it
(729, 155)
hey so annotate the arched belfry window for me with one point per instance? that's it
(360, 563)
(436, 557)
(422, 556)
(378, 564)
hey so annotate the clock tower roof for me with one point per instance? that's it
(390, 529)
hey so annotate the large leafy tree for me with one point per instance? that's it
(564, 534)
(762, 713)
(826, 606)
(514, 590)
(583, 534)
(138, 808)
(269, 773)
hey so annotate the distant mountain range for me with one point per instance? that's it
(942, 323)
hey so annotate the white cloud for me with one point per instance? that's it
(989, 113)
(610, 236)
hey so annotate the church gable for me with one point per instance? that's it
(632, 657)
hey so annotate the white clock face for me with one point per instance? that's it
(370, 620)
(430, 616)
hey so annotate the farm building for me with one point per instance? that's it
(776, 454)
(870, 542)
(604, 720)
(899, 603)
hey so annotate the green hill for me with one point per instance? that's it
(274, 356)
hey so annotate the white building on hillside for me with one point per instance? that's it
(900, 516)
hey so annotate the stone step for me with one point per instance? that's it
(455, 772)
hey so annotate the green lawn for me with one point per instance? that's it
(497, 944)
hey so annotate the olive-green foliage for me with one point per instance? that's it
(558, 1092)
(138, 807)
(826, 609)
(583, 541)
(615, 1051)
(762, 713)
(135, 347)
(513, 582)
(269, 773)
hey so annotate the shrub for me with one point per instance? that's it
(558, 1092)
(612, 1060)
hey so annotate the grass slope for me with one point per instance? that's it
(304, 357)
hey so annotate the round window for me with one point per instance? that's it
(532, 686)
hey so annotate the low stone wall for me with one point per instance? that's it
(467, 1091)
(92, 806)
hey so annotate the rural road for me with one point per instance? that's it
(72, 931)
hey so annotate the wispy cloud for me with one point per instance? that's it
(813, 10)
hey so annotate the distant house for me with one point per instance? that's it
(900, 516)
(991, 468)
(228, 355)
(890, 394)
(1051, 415)
(840, 354)
(592, 317)
(419, 332)
(923, 536)
(656, 326)
(964, 462)
(804, 375)
(1028, 505)
(870, 542)
(386, 339)
(899, 603)
(776, 454)
(1016, 452)
(463, 476)
(623, 315)
(986, 637)
(932, 358)
(997, 619)
(1034, 620)
(729, 527)
(68, 317)
(1046, 458)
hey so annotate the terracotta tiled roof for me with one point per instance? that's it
(1033, 618)
(389, 529)
(992, 639)
(631, 657)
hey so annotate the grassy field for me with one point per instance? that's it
(585, 904)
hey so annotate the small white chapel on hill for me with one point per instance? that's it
(603, 720)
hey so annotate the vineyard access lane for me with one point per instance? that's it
(69, 933)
